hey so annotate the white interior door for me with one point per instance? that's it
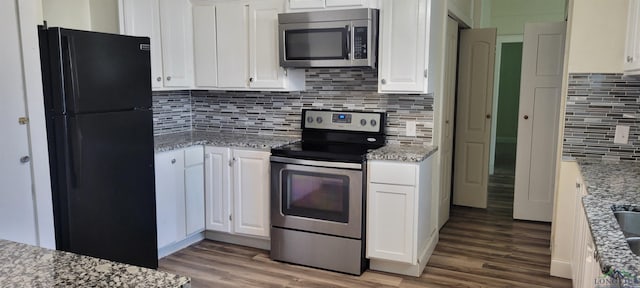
(540, 93)
(17, 211)
(447, 123)
(473, 116)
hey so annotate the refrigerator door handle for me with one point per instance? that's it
(69, 73)
(75, 153)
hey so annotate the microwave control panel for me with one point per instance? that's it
(360, 42)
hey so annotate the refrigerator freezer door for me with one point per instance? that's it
(98, 72)
(107, 191)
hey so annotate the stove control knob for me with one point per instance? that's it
(309, 119)
(373, 122)
(319, 119)
(363, 122)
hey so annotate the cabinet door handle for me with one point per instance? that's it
(168, 78)
(25, 159)
(251, 79)
(383, 81)
(629, 59)
(173, 161)
(526, 117)
(159, 79)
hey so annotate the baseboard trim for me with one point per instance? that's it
(175, 247)
(260, 243)
(404, 268)
(560, 269)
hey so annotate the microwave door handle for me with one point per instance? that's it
(347, 48)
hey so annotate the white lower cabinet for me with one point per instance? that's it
(400, 232)
(179, 194)
(585, 267)
(237, 191)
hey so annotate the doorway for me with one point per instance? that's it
(506, 101)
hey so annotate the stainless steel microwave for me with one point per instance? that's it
(333, 38)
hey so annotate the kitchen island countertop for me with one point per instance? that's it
(23, 265)
(611, 185)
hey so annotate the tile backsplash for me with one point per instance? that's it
(596, 103)
(278, 113)
(171, 112)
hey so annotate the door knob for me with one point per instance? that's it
(488, 116)
(526, 117)
(25, 159)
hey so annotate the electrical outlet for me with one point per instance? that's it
(411, 128)
(622, 135)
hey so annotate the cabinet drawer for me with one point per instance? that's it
(392, 173)
(193, 155)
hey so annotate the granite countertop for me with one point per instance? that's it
(186, 139)
(611, 185)
(403, 153)
(24, 265)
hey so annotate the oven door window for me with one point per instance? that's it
(317, 44)
(315, 195)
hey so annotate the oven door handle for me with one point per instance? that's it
(328, 164)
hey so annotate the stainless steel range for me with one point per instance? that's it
(318, 189)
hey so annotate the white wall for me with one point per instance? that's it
(104, 16)
(92, 15)
(598, 36)
(463, 10)
(509, 16)
(74, 14)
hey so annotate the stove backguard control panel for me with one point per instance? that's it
(347, 121)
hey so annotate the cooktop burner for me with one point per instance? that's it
(337, 136)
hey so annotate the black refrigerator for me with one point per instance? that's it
(97, 94)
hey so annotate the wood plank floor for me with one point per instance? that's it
(477, 248)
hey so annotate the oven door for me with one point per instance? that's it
(312, 196)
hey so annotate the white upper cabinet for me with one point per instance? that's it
(404, 46)
(330, 4)
(265, 70)
(233, 44)
(142, 18)
(205, 46)
(177, 42)
(632, 51)
(168, 23)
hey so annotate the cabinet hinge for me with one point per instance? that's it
(231, 162)
(426, 73)
(230, 217)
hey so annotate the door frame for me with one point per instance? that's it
(28, 18)
(496, 92)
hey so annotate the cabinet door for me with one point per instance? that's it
(264, 64)
(170, 209)
(403, 46)
(251, 192)
(176, 30)
(218, 193)
(194, 189)
(141, 18)
(390, 230)
(306, 4)
(233, 44)
(204, 46)
(632, 51)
